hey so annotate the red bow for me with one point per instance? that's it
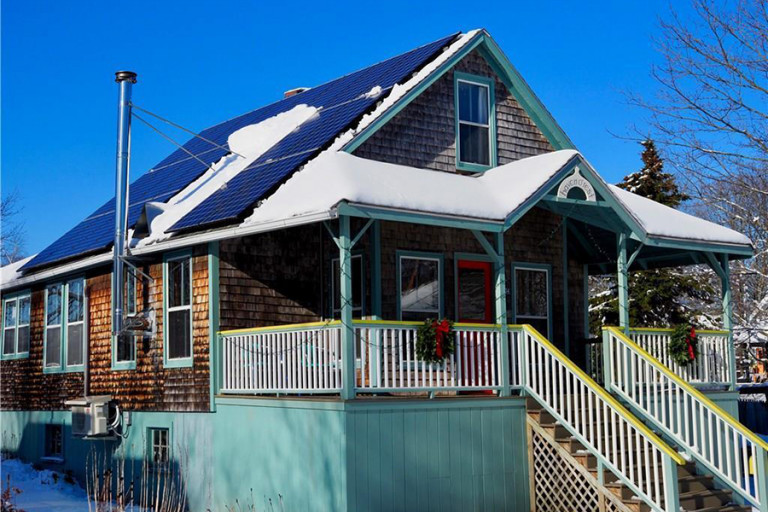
(689, 341)
(441, 328)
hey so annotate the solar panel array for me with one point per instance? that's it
(339, 102)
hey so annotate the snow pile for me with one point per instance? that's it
(11, 272)
(247, 144)
(42, 490)
(658, 219)
(337, 176)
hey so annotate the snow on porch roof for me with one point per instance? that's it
(495, 195)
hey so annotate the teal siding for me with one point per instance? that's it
(317, 455)
(457, 455)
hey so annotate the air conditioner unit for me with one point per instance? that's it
(90, 416)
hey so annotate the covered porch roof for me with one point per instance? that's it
(561, 181)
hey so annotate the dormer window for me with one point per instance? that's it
(475, 122)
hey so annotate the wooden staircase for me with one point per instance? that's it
(698, 493)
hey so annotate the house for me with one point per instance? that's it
(280, 265)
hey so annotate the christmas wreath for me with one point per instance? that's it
(683, 344)
(435, 340)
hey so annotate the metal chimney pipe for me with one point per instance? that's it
(125, 80)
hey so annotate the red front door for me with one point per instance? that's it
(474, 300)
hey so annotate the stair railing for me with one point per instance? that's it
(620, 442)
(706, 433)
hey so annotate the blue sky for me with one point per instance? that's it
(202, 62)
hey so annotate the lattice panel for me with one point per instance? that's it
(560, 486)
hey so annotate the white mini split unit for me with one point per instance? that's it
(90, 416)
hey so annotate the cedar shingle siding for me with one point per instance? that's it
(149, 387)
(423, 134)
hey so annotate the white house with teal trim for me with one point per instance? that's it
(279, 265)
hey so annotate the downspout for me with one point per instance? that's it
(125, 79)
(87, 329)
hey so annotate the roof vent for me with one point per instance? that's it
(294, 92)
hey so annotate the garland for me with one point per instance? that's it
(683, 344)
(435, 340)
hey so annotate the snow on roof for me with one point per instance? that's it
(11, 272)
(337, 176)
(334, 177)
(247, 144)
(660, 220)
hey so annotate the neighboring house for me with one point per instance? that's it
(284, 269)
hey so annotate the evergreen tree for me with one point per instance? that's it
(657, 298)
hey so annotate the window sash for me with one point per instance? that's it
(10, 326)
(177, 295)
(483, 155)
(65, 340)
(411, 309)
(130, 293)
(519, 317)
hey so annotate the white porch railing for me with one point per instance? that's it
(711, 436)
(303, 358)
(621, 443)
(712, 364)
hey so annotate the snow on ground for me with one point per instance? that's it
(247, 144)
(42, 490)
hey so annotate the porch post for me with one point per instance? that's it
(347, 329)
(376, 270)
(501, 312)
(725, 279)
(623, 282)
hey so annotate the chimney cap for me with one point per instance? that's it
(122, 76)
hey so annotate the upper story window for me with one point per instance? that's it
(16, 312)
(475, 122)
(421, 286)
(65, 329)
(177, 319)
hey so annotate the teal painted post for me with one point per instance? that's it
(623, 282)
(347, 329)
(376, 270)
(725, 279)
(214, 348)
(607, 370)
(671, 488)
(501, 313)
(761, 478)
(566, 319)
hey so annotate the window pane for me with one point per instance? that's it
(75, 303)
(125, 348)
(54, 441)
(9, 341)
(357, 284)
(532, 293)
(23, 339)
(473, 103)
(472, 294)
(53, 346)
(10, 313)
(75, 344)
(130, 294)
(178, 334)
(473, 144)
(53, 308)
(178, 283)
(24, 308)
(419, 286)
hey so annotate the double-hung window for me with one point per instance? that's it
(475, 122)
(421, 283)
(532, 285)
(65, 326)
(178, 310)
(16, 312)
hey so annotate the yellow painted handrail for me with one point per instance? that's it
(602, 393)
(669, 330)
(692, 390)
(329, 323)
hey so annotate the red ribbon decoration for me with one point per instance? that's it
(441, 328)
(689, 341)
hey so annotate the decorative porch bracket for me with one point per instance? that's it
(500, 292)
(723, 270)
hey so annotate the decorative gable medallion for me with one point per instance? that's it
(576, 186)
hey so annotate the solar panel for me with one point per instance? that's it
(340, 102)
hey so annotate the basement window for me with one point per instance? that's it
(16, 311)
(159, 448)
(475, 122)
(65, 326)
(177, 321)
(53, 448)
